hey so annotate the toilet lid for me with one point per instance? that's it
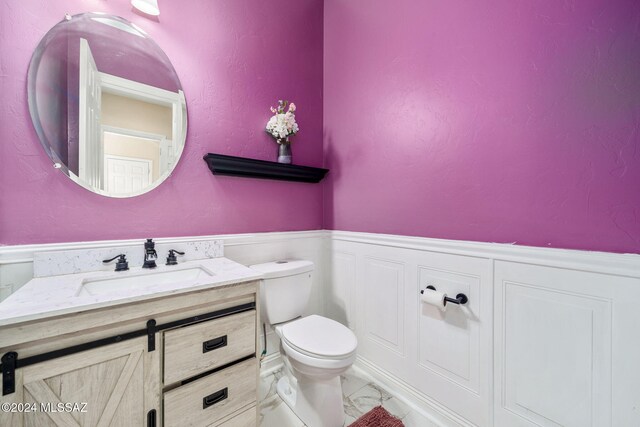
(319, 336)
(283, 268)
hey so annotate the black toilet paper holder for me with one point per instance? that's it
(460, 299)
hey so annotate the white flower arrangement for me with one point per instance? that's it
(283, 124)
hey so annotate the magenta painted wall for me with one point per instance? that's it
(499, 121)
(503, 121)
(235, 59)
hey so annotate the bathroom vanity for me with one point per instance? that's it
(95, 349)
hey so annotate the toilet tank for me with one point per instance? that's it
(285, 289)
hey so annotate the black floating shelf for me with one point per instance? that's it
(252, 168)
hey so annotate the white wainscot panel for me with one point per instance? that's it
(341, 288)
(559, 360)
(449, 341)
(384, 304)
(453, 348)
(557, 350)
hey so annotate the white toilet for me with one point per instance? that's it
(315, 350)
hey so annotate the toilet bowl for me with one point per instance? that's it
(315, 350)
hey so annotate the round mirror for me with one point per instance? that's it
(107, 105)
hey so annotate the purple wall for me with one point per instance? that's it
(235, 59)
(501, 121)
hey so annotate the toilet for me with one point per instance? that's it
(315, 349)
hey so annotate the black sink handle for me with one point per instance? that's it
(121, 265)
(122, 257)
(171, 258)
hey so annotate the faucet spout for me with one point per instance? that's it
(150, 254)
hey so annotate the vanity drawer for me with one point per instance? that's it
(206, 400)
(247, 418)
(195, 349)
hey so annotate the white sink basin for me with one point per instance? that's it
(142, 280)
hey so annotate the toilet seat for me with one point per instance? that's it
(319, 338)
(317, 365)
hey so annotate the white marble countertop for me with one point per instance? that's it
(45, 297)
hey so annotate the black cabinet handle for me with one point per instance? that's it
(214, 344)
(151, 418)
(214, 398)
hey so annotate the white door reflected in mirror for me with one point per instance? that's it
(113, 116)
(89, 156)
(126, 130)
(125, 175)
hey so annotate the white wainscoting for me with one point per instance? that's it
(444, 355)
(566, 347)
(547, 338)
(16, 262)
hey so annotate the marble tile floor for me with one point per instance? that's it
(359, 396)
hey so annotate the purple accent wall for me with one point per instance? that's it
(234, 59)
(500, 121)
(504, 121)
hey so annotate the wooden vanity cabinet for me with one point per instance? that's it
(112, 386)
(200, 373)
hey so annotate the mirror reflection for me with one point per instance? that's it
(110, 114)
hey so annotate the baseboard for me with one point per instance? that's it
(270, 363)
(418, 401)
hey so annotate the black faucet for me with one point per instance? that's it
(150, 254)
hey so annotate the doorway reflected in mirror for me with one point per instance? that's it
(114, 115)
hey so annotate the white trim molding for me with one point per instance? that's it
(605, 262)
(612, 263)
(270, 364)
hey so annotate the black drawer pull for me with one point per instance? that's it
(151, 418)
(214, 344)
(214, 398)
